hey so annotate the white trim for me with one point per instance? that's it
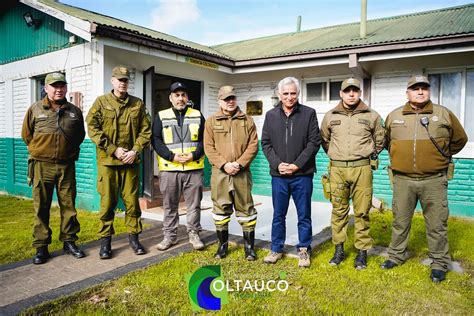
(421, 53)
(293, 65)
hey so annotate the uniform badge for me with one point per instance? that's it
(434, 118)
(398, 121)
(72, 115)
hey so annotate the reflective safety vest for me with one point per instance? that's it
(180, 139)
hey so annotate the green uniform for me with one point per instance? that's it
(229, 139)
(113, 122)
(349, 138)
(53, 139)
(420, 175)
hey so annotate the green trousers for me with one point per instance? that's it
(432, 193)
(229, 193)
(112, 180)
(48, 176)
(351, 183)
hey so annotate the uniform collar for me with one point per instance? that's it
(46, 102)
(238, 114)
(427, 109)
(361, 107)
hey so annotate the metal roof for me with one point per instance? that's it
(104, 20)
(449, 22)
(443, 23)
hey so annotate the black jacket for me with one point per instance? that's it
(294, 139)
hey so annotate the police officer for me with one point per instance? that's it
(352, 134)
(421, 138)
(53, 129)
(177, 139)
(120, 127)
(230, 142)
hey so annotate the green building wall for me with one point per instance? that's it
(14, 155)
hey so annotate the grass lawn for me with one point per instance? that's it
(321, 289)
(16, 228)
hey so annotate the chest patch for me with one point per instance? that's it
(335, 122)
(398, 121)
(364, 121)
(41, 116)
(434, 118)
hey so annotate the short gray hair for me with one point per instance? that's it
(287, 81)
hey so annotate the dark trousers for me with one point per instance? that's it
(48, 176)
(300, 189)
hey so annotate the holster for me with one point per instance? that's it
(374, 163)
(326, 186)
(31, 171)
(450, 171)
(390, 176)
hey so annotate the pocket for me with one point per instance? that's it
(167, 135)
(194, 130)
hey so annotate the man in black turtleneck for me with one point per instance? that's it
(53, 129)
(178, 141)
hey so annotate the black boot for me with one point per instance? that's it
(135, 244)
(42, 255)
(339, 255)
(70, 248)
(105, 251)
(223, 237)
(249, 241)
(361, 260)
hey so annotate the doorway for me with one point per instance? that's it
(156, 95)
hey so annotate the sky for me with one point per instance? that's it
(212, 22)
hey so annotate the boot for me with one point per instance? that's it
(361, 260)
(135, 244)
(339, 255)
(223, 237)
(42, 255)
(249, 241)
(105, 251)
(71, 248)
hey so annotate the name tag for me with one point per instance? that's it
(364, 121)
(336, 122)
(398, 121)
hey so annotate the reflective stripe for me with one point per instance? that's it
(248, 224)
(219, 217)
(246, 218)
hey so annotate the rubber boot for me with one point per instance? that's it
(223, 237)
(249, 239)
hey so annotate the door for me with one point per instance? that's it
(148, 163)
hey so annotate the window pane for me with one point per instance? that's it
(469, 112)
(316, 91)
(334, 88)
(434, 88)
(451, 92)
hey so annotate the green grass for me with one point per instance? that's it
(16, 228)
(321, 289)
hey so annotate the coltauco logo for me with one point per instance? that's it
(201, 294)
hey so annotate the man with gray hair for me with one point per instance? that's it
(290, 141)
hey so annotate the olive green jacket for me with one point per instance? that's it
(113, 122)
(410, 148)
(53, 136)
(355, 135)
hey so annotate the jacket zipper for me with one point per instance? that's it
(231, 141)
(414, 142)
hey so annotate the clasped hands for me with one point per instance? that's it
(232, 168)
(287, 168)
(182, 157)
(125, 155)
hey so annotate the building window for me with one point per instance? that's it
(39, 88)
(455, 90)
(323, 91)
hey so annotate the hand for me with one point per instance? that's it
(129, 157)
(182, 158)
(292, 168)
(232, 168)
(283, 168)
(120, 152)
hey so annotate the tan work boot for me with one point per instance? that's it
(165, 244)
(304, 260)
(195, 240)
(273, 257)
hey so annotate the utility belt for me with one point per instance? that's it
(350, 164)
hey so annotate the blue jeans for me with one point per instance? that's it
(300, 188)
